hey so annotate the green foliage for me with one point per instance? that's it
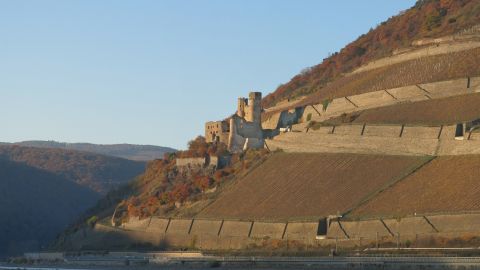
(408, 243)
(309, 117)
(92, 221)
(325, 104)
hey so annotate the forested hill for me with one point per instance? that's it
(35, 205)
(97, 172)
(426, 19)
(127, 151)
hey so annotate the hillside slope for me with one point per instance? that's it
(97, 172)
(127, 151)
(444, 111)
(296, 186)
(445, 185)
(35, 205)
(427, 19)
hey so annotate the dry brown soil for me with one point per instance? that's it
(304, 186)
(446, 184)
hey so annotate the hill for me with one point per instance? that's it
(127, 151)
(369, 171)
(308, 186)
(36, 205)
(447, 185)
(426, 20)
(97, 172)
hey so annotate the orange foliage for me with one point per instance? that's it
(427, 19)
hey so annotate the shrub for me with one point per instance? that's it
(325, 104)
(91, 221)
(309, 117)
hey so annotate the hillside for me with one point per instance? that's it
(36, 205)
(316, 163)
(442, 111)
(97, 172)
(127, 151)
(309, 186)
(446, 185)
(426, 20)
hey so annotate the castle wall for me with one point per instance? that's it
(217, 131)
(185, 162)
(245, 135)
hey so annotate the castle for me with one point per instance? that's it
(241, 131)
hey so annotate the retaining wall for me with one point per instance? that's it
(388, 140)
(136, 224)
(382, 131)
(436, 49)
(268, 230)
(241, 234)
(158, 225)
(178, 232)
(374, 99)
(301, 230)
(409, 226)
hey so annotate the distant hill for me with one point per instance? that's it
(99, 173)
(127, 151)
(35, 205)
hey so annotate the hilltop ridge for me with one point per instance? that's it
(127, 151)
(426, 20)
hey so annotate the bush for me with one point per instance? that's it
(325, 104)
(92, 221)
(309, 117)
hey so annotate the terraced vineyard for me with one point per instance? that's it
(422, 70)
(446, 184)
(307, 186)
(435, 112)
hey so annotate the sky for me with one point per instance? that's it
(154, 71)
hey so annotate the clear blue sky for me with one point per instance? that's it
(152, 72)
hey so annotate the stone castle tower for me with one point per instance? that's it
(250, 109)
(243, 130)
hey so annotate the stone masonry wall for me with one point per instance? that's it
(229, 234)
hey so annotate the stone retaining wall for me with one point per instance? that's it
(204, 234)
(375, 99)
(377, 139)
(436, 49)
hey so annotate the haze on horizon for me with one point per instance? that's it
(152, 72)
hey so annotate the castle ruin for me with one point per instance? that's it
(241, 131)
